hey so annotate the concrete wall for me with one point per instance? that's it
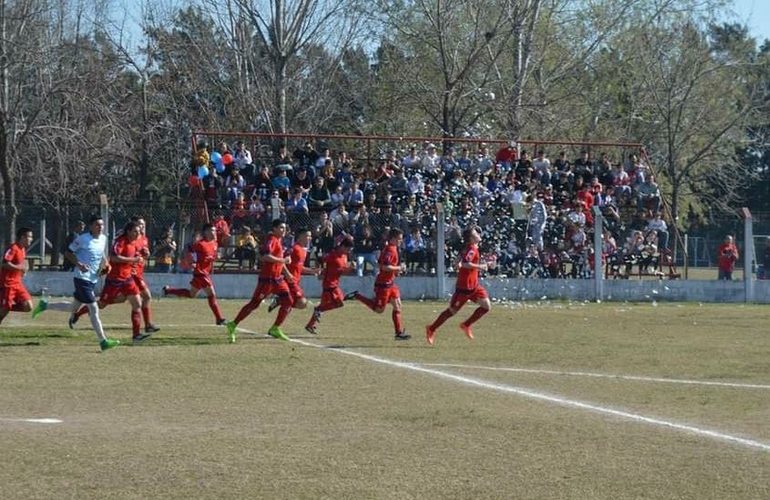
(241, 286)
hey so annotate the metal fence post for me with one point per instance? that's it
(440, 251)
(598, 278)
(748, 242)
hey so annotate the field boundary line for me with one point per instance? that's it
(528, 393)
(637, 378)
(32, 420)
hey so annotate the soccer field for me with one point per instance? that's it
(552, 400)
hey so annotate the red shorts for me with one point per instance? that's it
(201, 282)
(10, 296)
(140, 283)
(460, 297)
(296, 291)
(267, 287)
(332, 296)
(112, 289)
(384, 294)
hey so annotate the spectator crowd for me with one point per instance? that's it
(536, 215)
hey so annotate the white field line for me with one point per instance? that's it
(33, 420)
(602, 375)
(520, 391)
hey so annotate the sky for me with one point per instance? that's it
(756, 15)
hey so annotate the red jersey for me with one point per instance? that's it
(143, 248)
(15, 255)
(121, 271)
(298, 256)
(468, 279)
(272, 270)
(204, 256)
(336, 264)
(388, 257)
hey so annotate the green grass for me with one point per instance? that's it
(190, 416)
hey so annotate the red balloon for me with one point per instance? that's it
(193, 181)
(227, 158)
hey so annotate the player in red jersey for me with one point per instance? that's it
(143, 246)
(13, 295)
(467, 288)
(272, 281)
(385, 289)
(335, 265)
(204, 254)
(297, 269)
(119, 284)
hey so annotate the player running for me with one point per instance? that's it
(467, 288)
(204, 254)
(272, 281)
(13, 295)
(335, 265)
(385, 289)
(297, 269)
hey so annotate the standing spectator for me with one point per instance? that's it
(430, 162)
(204, 254)
(243, 162)
(542, 169)
(385, 289)
(271, 281)
(506, 156)
(538, 215)
(307, 157)
(80, 226)
(164, 251)
(364, 250)
(467, 288)
(763, 271)
(323, 236)
(728, 255)
(263, 184)
(301, 180)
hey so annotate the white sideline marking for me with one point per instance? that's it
(602, 375)
(549, 398)
(33, 420)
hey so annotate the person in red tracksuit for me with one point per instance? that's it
(204, 254)
(467, 288)
(272, 281)
(335, 265)
(385, 289)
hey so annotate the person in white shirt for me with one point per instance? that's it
(430, 162)
(542, 168)
(657, 224)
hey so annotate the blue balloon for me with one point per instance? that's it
(203, 172)
(216, 158)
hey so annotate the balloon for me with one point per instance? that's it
(220, 167)
(216, 158)
(194, 181)
(227, 158)
(203, 172)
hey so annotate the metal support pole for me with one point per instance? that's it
(598, 278)
(440, 256)
(748, 241)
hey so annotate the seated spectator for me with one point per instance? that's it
(239, 211)
(301, 180)
(297, 203)
(212, 186)
(365, 251)
(246, 248)
(243, 162)
(338, 197)
(319, 198)
(234, 186)
(345, 175)
(657, 224)
(415, 250)
(506, 156)
(355, 196)
(281, 183)
(621, 184)
(340, 216)
(542, 168)
(649, 195)
(256, 208)
(263, 184)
